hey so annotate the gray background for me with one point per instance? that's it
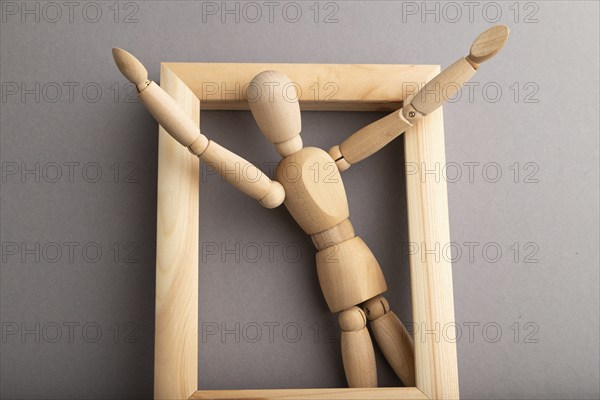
(528, 318)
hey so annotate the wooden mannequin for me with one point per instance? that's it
(308, 182)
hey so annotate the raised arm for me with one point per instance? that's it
(372, 138)
(240, 173)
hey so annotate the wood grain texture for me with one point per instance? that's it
(176, 364)
(373, 137)
(396, 345)
(337, 234)
(315, 194)
(431, 281)
(273, 99)
(321, 87)
(169, 115)
(243, 175)
(358, 353)
(443, 87)
(488, 43)
(176, 339)
(349, 274)
(393, 339)
(314, 394)
(131, 68)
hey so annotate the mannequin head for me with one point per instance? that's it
(274, 104)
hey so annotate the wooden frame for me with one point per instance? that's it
(357, 88)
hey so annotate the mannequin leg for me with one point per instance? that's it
(357, 349)
(392, 338)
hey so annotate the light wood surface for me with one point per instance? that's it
(163, 108)
(315, 194)
(349, 274)
(446, 85)
(358, 354)
(431, 282)
(273, 101)
(435, 361)
(131, 68)
(392, 338)
(337, 234)
(176, 338)
(373, 137)
(182, 127)
(314, 394)
(169, 115)
(242, 174)
(488, 43)
(340, 161)
(322, 87)
(443, 87)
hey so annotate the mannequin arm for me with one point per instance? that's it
(372, 138)
(240, 173)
